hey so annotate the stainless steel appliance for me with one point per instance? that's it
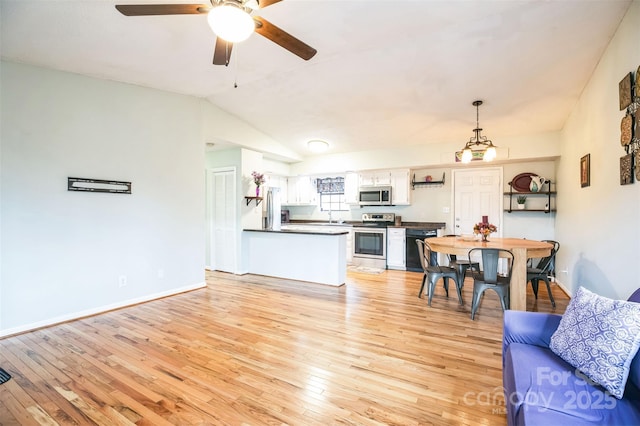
(412, 255)
(284, 216)
(374, 196)
(370, 240)
(273, 217)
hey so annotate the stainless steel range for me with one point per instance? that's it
(370, 240)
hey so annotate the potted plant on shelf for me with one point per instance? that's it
(521, 200)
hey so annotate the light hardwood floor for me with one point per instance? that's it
(251, 350)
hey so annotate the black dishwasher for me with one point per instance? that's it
(412, 256)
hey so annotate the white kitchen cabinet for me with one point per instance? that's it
(350, 247)
(401, 184)
(351, 186)
(396, 243)
(375, 178)
(275, 181)
(301, 191)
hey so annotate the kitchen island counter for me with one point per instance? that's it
(313, 255)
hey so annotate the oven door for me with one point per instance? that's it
(370, 243)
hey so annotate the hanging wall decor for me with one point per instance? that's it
(626, 130)
(624, 92)
(626, 169)
(98, 185)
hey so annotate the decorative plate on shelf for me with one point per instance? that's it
(624, 91)
(626, 130)
(522, 181)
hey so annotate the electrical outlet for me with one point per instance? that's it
(445, 210)
(122, 280)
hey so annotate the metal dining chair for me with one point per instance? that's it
(461, 265)
(489, 278)
(433, 272)
(544, 268)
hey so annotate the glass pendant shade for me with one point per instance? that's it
(490, 153)
(231, 23)
(467, 155)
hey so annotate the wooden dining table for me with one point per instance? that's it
(522, 250)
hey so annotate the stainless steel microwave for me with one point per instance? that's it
(374, 196)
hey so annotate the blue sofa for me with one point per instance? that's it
(542, 389)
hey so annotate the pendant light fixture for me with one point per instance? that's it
(478, 142)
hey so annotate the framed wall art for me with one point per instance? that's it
(626, 169)
(585, 171)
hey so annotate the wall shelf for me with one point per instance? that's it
(248, 200)
(548, 194)
(415, 183)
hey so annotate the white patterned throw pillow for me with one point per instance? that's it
(600, 337)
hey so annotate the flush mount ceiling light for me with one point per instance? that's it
(317, 145)
(478, 142)
(231, 22)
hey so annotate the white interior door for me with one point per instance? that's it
(477, 193)
(222, 220)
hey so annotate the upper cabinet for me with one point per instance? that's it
(397, 179)
(301, 191)
(275, 181)
(400, 183)
(375, 178)
(351, 186)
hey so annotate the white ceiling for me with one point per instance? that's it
(387, 73)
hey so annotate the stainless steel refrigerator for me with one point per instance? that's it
(272, 212)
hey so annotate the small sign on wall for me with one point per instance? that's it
(98, 185)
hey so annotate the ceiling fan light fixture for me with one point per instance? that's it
(231, 23)
(317, 146)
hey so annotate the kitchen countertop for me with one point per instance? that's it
(413, 225)
(328, 231)
(420, 225)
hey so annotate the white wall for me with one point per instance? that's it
(599, 226)
(245, 161)
(63, 252)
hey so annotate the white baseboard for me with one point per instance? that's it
(95, 311)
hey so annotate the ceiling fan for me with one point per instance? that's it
(226, 17)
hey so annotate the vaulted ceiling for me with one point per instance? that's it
(387, 73)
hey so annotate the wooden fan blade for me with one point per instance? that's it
(162, 9)
(284, 39)
(222, 52)
(265, 3)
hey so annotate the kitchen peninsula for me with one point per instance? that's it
(315, 255)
